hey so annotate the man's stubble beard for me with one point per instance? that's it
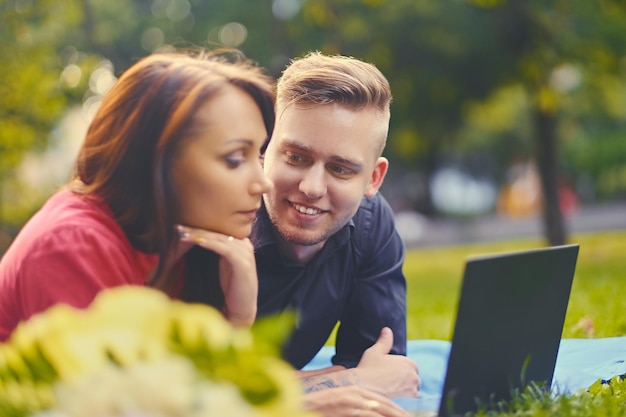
(297, 238)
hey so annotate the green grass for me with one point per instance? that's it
(595, 308)
(600, 400)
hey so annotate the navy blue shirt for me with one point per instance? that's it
(356, 279)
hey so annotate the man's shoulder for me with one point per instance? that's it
(372, 224)
(375, 207)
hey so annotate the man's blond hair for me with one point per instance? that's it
(317, 79)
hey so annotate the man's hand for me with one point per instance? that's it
(390, 375)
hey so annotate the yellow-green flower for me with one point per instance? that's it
(136, 351)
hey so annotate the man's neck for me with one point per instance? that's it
(300, 254)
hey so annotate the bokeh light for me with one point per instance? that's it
(71, 75)
(178, 10)
(232, 34)
(565, 78)
(152, 39)
(90, 107)
(285, 9)
(100, 82)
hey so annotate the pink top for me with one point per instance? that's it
(71, 249)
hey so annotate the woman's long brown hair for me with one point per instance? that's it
(126, 158)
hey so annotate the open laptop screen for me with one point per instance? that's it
(508, 328)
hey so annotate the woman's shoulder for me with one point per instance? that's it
(67, 210)
(69, 221)
(71, 228)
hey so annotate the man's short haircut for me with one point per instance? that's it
(320, 79)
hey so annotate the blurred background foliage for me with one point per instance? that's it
(485, 91)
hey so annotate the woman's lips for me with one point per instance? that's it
(250, 214)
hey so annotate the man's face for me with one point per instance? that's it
(322, 160)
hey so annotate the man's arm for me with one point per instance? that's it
(325, 378)
(377, 301)
(322, 371)
(378, 291)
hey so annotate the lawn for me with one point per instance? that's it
(596, 303)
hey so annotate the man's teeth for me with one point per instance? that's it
(306, 210)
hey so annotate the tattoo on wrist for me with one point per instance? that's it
(318, 385)
(330, 380)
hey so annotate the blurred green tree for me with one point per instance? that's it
(442, 56)
(568, 59)
(32, 97)
(538, 78)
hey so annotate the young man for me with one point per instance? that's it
(325, 241)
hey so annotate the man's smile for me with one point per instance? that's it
(306, 209)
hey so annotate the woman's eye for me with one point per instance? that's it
(235, 159)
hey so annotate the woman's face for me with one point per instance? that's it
(217, 173)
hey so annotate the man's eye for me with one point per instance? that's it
(339, 170)
(294, 158)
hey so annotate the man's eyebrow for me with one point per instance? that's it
(296, 145)
(292, 144)
(356, 166)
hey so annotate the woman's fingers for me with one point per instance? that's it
(352, 401)
(237, 271)
(217, 242)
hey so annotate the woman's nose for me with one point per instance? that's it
(261, 183)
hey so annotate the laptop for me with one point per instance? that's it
(508, 327)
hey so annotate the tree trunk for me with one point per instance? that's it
(547, 163)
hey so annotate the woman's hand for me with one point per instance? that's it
(237, 269)
(351, 401)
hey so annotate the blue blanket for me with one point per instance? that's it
(580, 362)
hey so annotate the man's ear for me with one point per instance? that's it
(377, 177)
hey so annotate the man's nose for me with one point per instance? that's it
(313, 182)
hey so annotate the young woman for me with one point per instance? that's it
(166, 187)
